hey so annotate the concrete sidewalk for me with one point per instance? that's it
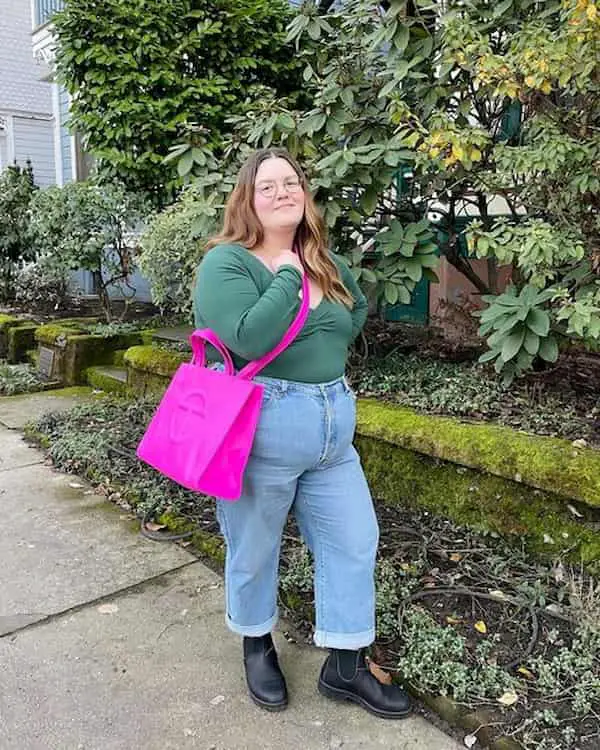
(109, 641)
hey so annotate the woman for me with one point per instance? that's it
(248, 292)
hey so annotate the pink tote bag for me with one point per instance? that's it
(202, 432)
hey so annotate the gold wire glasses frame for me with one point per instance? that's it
(269, 189)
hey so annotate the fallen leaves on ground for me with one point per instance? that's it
(509, 698)
(151, 526)
(385, 678)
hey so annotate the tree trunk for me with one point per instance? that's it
(102, 295)
(492, 263)
(452, 252)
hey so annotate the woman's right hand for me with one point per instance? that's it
(287, 258)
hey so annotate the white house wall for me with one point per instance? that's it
(3, 152)
(20, 89)
(65, 138)
(34, 141)
(25, 101)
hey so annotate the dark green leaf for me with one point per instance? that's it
(369, 201)
(538, 321)
(512, 344)
(414, 270)
(404, 295)
(286, 121)
(369, 276)
(184, 165)
(489, 355)
(502, 7)
(531, 342)
(402, 38)
(431, 276)
(390, 293)
(549, 349)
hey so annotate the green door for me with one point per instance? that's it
(417, 311)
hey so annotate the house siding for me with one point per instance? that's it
(25, 101)
(66, 153)
(34, 141)
(20, 89)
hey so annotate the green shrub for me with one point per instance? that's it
(149, 67)
(90, 226)
(42, 286)
(170, 253)
(16, 191)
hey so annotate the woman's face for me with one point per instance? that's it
(278, 195)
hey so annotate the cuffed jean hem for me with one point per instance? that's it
(253, 631)
(348, 641)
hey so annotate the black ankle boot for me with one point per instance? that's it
(346, 676)
(266, 682)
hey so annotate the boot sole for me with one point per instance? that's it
(273, 707)
(337, 694)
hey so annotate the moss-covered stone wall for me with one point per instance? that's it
(7, 323)
(485, 476)
(59, 330)
(99, 381)
(550, 464)
(75, 351)
(21, 338)
(480, 500)
(155, 360)
(150, 369)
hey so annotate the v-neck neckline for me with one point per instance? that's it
(272, 273)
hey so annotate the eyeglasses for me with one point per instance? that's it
(269, 189)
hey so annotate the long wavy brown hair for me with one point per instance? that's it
(241, 226)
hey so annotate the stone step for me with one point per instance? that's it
(107, 378)
(178, 335)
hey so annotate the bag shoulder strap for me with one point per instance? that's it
(253, 368)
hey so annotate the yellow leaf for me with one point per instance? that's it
(480, 627)
(476, 154)
(530, 81)
(453, 620)
(511, 89)
(458, 152)
(455, 557)
(591, 11)
(509, 698)
(434, 152)
(546, 87)
(526, 673)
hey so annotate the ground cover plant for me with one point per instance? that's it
(21, 378)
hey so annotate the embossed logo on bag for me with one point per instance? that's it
(185, 417)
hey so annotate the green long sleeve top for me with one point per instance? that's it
(250, 309)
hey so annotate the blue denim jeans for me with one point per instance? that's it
(303, 459)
